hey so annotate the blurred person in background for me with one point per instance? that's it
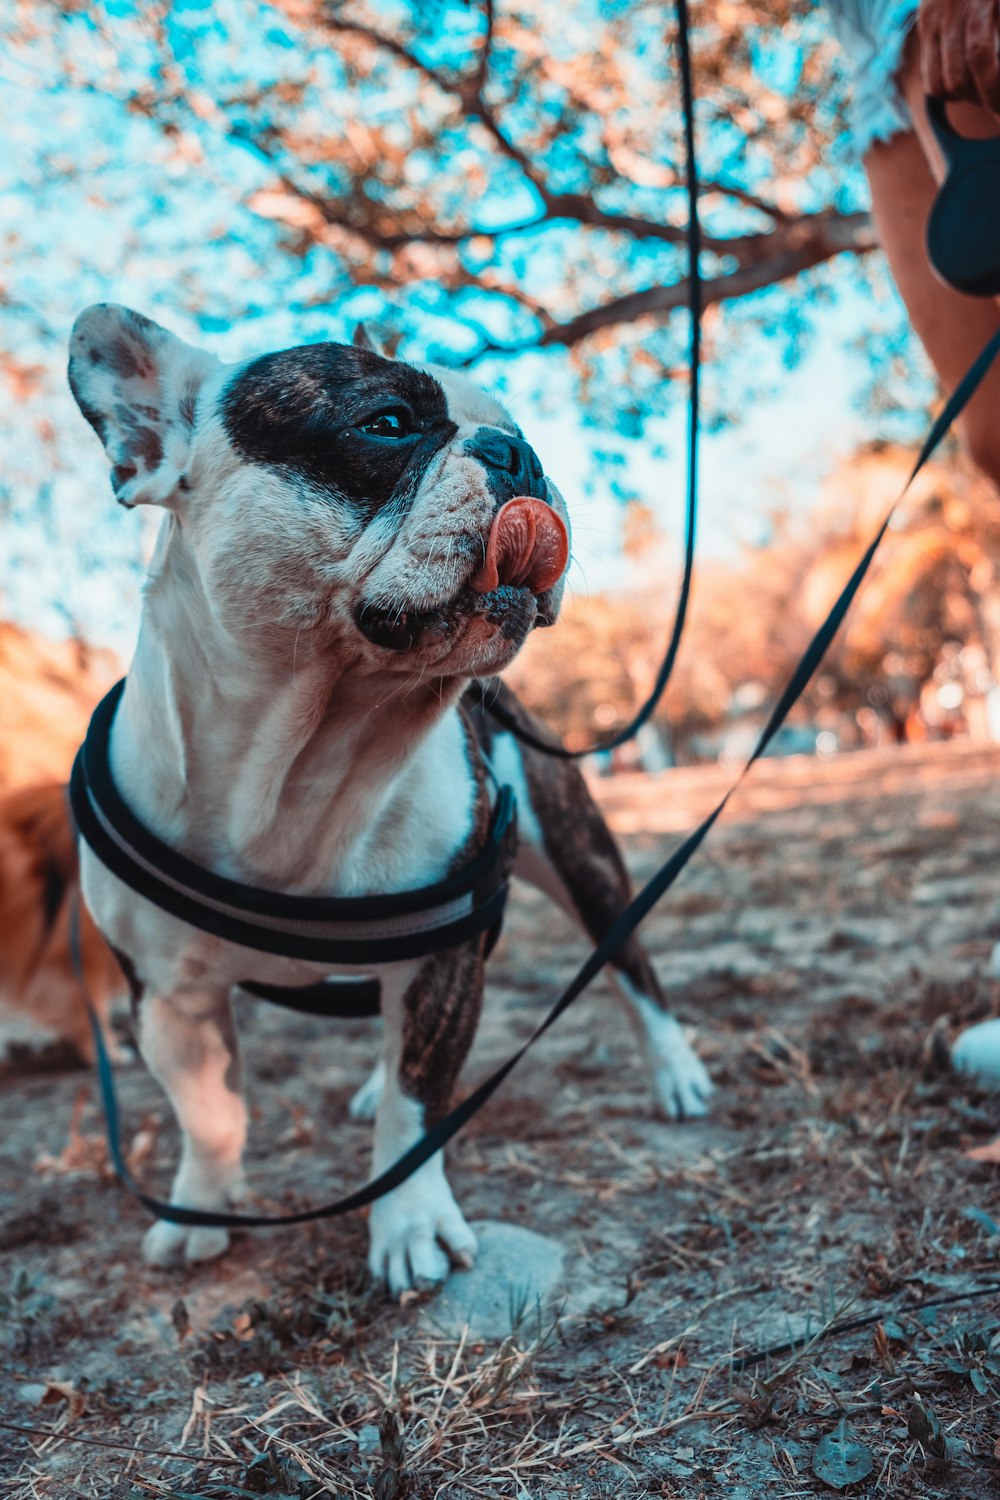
(899, 51)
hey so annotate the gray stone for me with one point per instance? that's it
(513, 1287)
(977, 1051)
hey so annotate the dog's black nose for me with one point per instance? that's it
(513, 466)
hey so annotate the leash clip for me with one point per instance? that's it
(963, 231)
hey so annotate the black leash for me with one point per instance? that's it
(648, 708)
(622, 928)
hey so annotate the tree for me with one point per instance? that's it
(574, 122)
(488, 179)
(515, 168)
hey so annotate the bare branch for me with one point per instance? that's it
(391, 44)
(820, 240)
(483, 65)
(748, 199)
(578, 207)
(467, 90)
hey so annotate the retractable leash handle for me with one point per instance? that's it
(963, 231)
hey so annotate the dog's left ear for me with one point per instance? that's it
(137, 385)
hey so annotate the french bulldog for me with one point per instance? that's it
(324, 592)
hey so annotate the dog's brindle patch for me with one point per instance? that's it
(303, 410)
(577, 841)
(440, 1014)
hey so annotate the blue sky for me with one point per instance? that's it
(97, 204)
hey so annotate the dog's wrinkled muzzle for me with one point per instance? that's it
(527, 548)
(526, 554)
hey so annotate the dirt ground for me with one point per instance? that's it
(829, 939)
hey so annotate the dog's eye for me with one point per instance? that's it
(394, 423)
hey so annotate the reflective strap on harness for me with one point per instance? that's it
(358, 930)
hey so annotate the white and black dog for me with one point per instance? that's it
(294, 718)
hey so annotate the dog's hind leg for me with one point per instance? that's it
(568, 852)
(417, 1230)
(189, 1044)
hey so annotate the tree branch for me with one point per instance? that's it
(579, 208)
(832, 235)
(467, 90)
(748, 199)
(483, 65)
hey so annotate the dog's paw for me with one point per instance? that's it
(165, 1244)
(417, 1233)
(366, 1101)
(680, 1079)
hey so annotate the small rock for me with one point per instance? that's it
(977, 1050)
(369, 1440)
(516, 1278)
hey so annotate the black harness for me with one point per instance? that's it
(367, 931)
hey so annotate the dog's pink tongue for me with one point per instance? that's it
(527, 545)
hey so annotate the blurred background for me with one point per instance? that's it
(499, 186)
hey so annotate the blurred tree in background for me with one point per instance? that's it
(530, 167)
(507, 177)
(918, 655)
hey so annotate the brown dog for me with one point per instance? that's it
(39, 881)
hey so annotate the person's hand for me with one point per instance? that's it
(960, 50)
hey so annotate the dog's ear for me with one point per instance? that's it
(363, 340)
(137, 385)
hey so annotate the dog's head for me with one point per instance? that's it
(325, 494)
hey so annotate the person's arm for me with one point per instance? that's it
(960, 50)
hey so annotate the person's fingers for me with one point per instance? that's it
(929, 44)
(959, 82)
(982, 48)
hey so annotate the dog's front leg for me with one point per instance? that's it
(189, 1044)
(417, 1230)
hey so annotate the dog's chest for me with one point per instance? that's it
(404, 834)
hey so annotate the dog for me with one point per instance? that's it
(39, 881)
(296, 718)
